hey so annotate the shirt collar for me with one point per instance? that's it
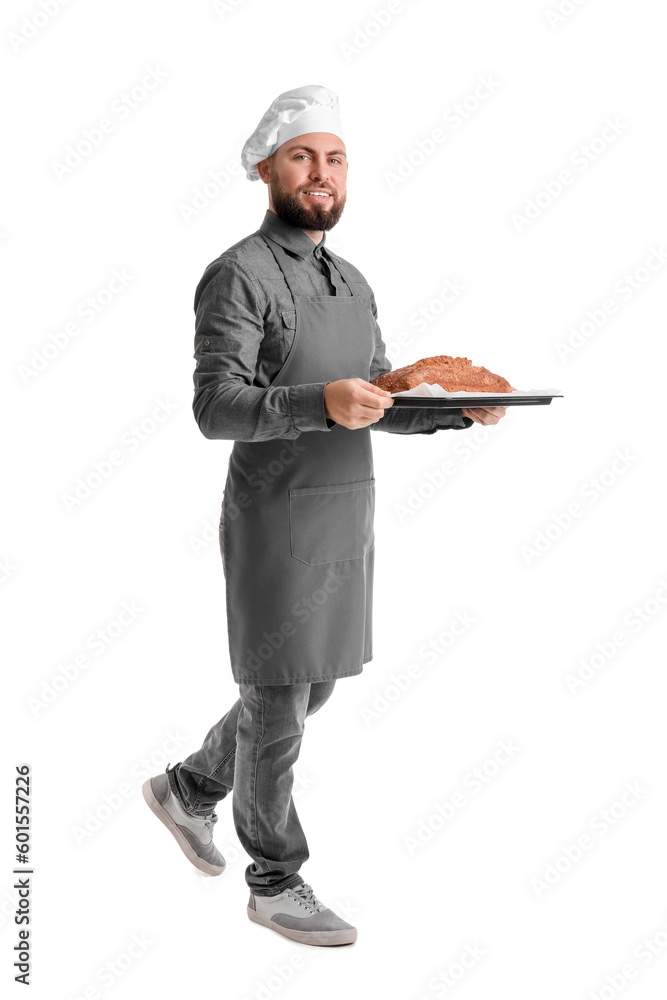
(290, 237)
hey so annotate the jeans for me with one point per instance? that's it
(251, 751)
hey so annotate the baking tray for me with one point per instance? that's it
(446, 402)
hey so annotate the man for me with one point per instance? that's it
(286, 344)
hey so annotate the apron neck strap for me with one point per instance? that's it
(291, 273)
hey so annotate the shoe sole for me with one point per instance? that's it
(305, 937)
(182, 841)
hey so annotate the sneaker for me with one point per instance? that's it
(194, 834)
(299, 915)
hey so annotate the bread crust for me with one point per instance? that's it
(453, 374)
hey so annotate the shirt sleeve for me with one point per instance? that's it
(229, 328)
(398, 420)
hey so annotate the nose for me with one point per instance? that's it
(320, 169)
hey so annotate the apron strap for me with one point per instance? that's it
(286, 266)
(291, 273)
(348, 277)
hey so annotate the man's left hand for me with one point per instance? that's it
(484, 414)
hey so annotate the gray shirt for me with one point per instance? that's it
(245, 322)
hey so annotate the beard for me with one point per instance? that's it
(290, 208)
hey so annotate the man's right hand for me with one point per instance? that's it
(355, 403)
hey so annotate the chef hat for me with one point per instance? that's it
(304, 109)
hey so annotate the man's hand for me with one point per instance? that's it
(484, 414)
(355, 403)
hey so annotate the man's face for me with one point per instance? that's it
(314, 162)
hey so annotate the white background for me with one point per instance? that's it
(365, 783)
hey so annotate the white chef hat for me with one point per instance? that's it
(304, 109)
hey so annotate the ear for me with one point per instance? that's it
(263, 169)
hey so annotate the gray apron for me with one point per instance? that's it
(296, 530)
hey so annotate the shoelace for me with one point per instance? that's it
(209, 821)
(306, 894)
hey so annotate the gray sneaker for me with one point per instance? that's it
(194, 834)
(299, 915)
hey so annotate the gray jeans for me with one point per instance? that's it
(252, 750)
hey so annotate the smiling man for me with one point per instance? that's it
(286, 344)
(288, 173)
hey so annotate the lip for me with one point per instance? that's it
(318, 197)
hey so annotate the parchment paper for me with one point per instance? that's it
(426, 389)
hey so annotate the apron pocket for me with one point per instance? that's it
(332, 523)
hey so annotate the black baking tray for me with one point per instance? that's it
(438, 402)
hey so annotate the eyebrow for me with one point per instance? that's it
(332, 152)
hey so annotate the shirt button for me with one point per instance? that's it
(206, 343)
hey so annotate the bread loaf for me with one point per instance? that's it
(453, 374)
